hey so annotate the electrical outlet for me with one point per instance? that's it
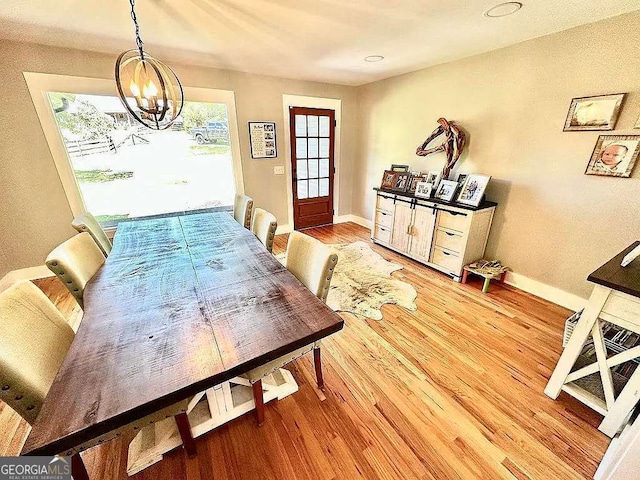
(278, 170)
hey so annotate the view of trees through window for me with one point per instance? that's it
(125, 170)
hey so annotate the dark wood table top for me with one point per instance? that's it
(181, 304)
(624, 279)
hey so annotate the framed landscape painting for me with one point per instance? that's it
(594, 113)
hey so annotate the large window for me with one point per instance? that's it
(120, 169)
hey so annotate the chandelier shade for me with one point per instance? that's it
(148, 89)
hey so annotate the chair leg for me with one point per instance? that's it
(318, 367)
(259, 400)
(184, 427)
(78, 470)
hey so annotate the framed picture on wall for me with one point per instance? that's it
(388, 179)
(473, 189)
(614, 155)
(262, 136)
(594, 113)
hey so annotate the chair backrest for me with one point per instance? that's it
(86, 222)
(75, 262)
(242, 207)
(263, 225)
(312, 262)
(35, 340)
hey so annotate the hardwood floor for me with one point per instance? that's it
(453, 390)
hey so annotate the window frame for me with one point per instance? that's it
(39, 84)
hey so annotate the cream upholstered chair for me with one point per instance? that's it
(86, 222)
(313, 263)
(263, 225)
(242, 208)
(75, 262)
(35, 340)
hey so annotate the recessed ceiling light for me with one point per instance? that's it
(374, 58)
(504, 9)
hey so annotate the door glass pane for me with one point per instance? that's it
(313, 188)
(301, 169)
(324, 167)
(312, 121)
(124, 170)
(324, 187)
(324, 147)
(302, 189)
(301, 148)
(301, 125)
(324, 126)
(313, 168)
(313, 148)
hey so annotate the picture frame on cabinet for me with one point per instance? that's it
(434, 177)
(388, 180)
(446, 190)
(399, 168)
(461, 178)
(401, 182)
(423, 189)
(473, 190)
(594, 113)
(413, 182)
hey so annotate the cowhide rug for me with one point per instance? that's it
(362, 282)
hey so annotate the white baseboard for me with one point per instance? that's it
(363, 222)
(31, 273)
(542, 290)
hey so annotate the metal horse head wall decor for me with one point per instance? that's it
(452, 145)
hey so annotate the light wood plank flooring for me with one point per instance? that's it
(453, 390)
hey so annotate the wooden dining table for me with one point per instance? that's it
(181, 304)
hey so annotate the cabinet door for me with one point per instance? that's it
(424, 221)
(401, 223)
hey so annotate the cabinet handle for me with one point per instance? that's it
(446, 253)
(450, 234)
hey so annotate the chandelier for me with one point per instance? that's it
(154, 86)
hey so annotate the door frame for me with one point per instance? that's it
(310, 102)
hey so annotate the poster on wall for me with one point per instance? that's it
(263, 139)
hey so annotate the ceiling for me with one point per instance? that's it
(322, 40)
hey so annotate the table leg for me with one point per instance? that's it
(259, 401)
(579, 336)
(624, 404)
(318, 367)
(485, 285)
(465, 274)
(78, 470)
(184, 427)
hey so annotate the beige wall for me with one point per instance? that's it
(34, 212)
(554, 224)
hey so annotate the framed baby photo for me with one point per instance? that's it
(388, 180)
(423, 189)
(594, 113)
(446, 190)
(614, 156)
(414, 180)
(402, 181)
(473, 189)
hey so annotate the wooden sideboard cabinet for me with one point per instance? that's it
(445, 236)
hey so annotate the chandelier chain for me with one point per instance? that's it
(139, 41)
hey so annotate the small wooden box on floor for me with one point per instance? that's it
(445, 236)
